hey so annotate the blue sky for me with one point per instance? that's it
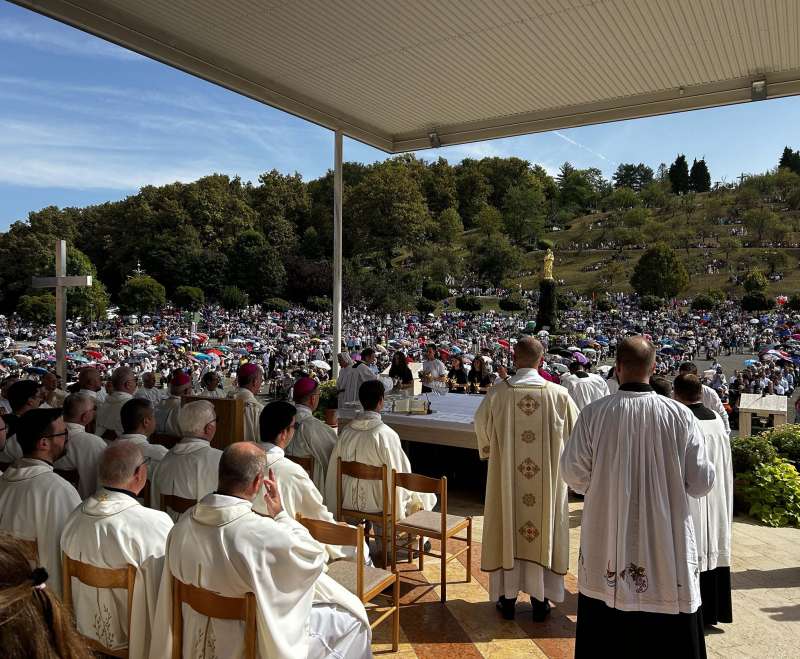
(83, 121)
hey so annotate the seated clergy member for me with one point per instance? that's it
(111, 529)
(23, 396)
(210, 383)
(148, 390)
(83, 449)
(249, 380)
(109, 426)
(189, 469)
(223, 546)
(34, 501)
(311, 436)
(369, 440)
(712, 514)
(139, 422)
(168, 411)
(91, 382)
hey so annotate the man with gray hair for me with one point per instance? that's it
(83, 449)
(148, 390)
(225, 547)
(109, 424)
(111, 529)
(189, 470)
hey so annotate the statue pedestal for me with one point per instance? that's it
(547, 315)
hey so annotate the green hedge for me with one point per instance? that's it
(468, 303)
(772, 490)
(749, 452)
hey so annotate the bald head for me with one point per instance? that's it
(528, 353)
(240, 466)
(636, 358)
(124, 379)
(89, 378)
(121, 467)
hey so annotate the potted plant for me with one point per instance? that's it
(328, 402)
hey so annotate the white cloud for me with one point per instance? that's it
(64, 41)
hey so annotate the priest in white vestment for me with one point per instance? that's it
(584, 387)
(83, 448)
(349, 383)
(168, 411)
(311, 436)
(249, 379)
(34, 501)
(149, 391)
(189, 469)
(23, 396)
(711, 398)
(139, 423)
(369, 440)
(638, 457)
(522, 425)
(211, 386)
(712, 514)
(108, 425)
(111, 529)
(223, 546)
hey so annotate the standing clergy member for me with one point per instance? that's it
(249, 380)
(23, 396)
(111, 530)
(713, 513)
(83, 449)
(189, 469)
(109, 425)
(346, 373)
(522, 425)
(711, 398)
(168, 411)
(311, 436)
(148, 390)
(34, 501)
(638, 457)
(223, 546)
(357, 374)
(584, 387)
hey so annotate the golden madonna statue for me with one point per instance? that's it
(548, 264)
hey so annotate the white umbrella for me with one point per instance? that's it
(318, 363)
(754, 321)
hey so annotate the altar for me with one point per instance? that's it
(449, 424)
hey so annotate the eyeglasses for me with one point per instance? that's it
(58, 434)
(143, 463)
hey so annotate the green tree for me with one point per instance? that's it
(39, 309)
(189, 298)
(699, 176)
(439, 187)
(523, 213)
(622, 199)
(763, 223)
(233, 298)
(489, 220)
(141, 294)
(632, 176)
(729, 245)
(257, 268)
(755, 281)
(449, 227)
(679, 175)
(613, 271)
(790, 160)
(494, 258)
(659, 272)
(473, 191)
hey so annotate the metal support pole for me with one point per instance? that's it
(337, 250)
(61, 312)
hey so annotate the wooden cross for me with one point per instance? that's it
(61, 282)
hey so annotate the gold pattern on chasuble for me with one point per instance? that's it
(528, 499)
(529, 531)
(528, 404)
(528, 436)
(528, 468)
(485, 449)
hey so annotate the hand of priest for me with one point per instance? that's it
(272, 498)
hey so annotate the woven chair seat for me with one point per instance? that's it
(428, 520)
(344, 573)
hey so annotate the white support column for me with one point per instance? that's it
(61, 313)
(337, 250)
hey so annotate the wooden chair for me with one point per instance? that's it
(440, 526)
(176, 503)
(369, 473)
(98, 577)
(69, 475)
(363, 581)
(305, 461)
(211, 605)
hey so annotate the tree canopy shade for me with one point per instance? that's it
(190, 298)
(142, 294)
(659, 272)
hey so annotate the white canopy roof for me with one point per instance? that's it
(392, 72)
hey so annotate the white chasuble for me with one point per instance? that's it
(522, 425)
(223, 546)
(111, 530)
(585, 389)
(712, 514)
(252, 412)
(315, 438)
(34, 505)
(84, 451)
(108, 413)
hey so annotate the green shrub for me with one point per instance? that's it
(468, 303)
(514, 302)
(650, 303)
(749, 452)
(756, 302)
(786, 440)
(434, 291)
(794, 302)
(424, 305)
(545, 244)
(276, 304)
(603, 304)
(704, 301)
(773, 492)
(319, 303)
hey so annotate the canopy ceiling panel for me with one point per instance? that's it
(390, 73)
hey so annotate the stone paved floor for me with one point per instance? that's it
(766, 603)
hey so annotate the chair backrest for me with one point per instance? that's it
(69, 475)
(329, 533)
(305, 461)
(230, 419)
(211, 605)
(97, 577)
(364, 472)
(419, 483)
(176, 503)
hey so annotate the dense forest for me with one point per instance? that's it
(412, 227)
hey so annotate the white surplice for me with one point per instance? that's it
(155, 396)
(586, 389)
(351, 379)
(108, 413)
(369, 440)
(111, 530)
(34, 505)
(713, 514)
(713, 402)
(315, 438)
(155, 452)
(223, 546)
(252, 411)
(638, 457)
(167, 416)
(84, 451)
(190, 470)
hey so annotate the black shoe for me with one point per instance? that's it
(540, 609)
(426, 546)
(507, 607)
